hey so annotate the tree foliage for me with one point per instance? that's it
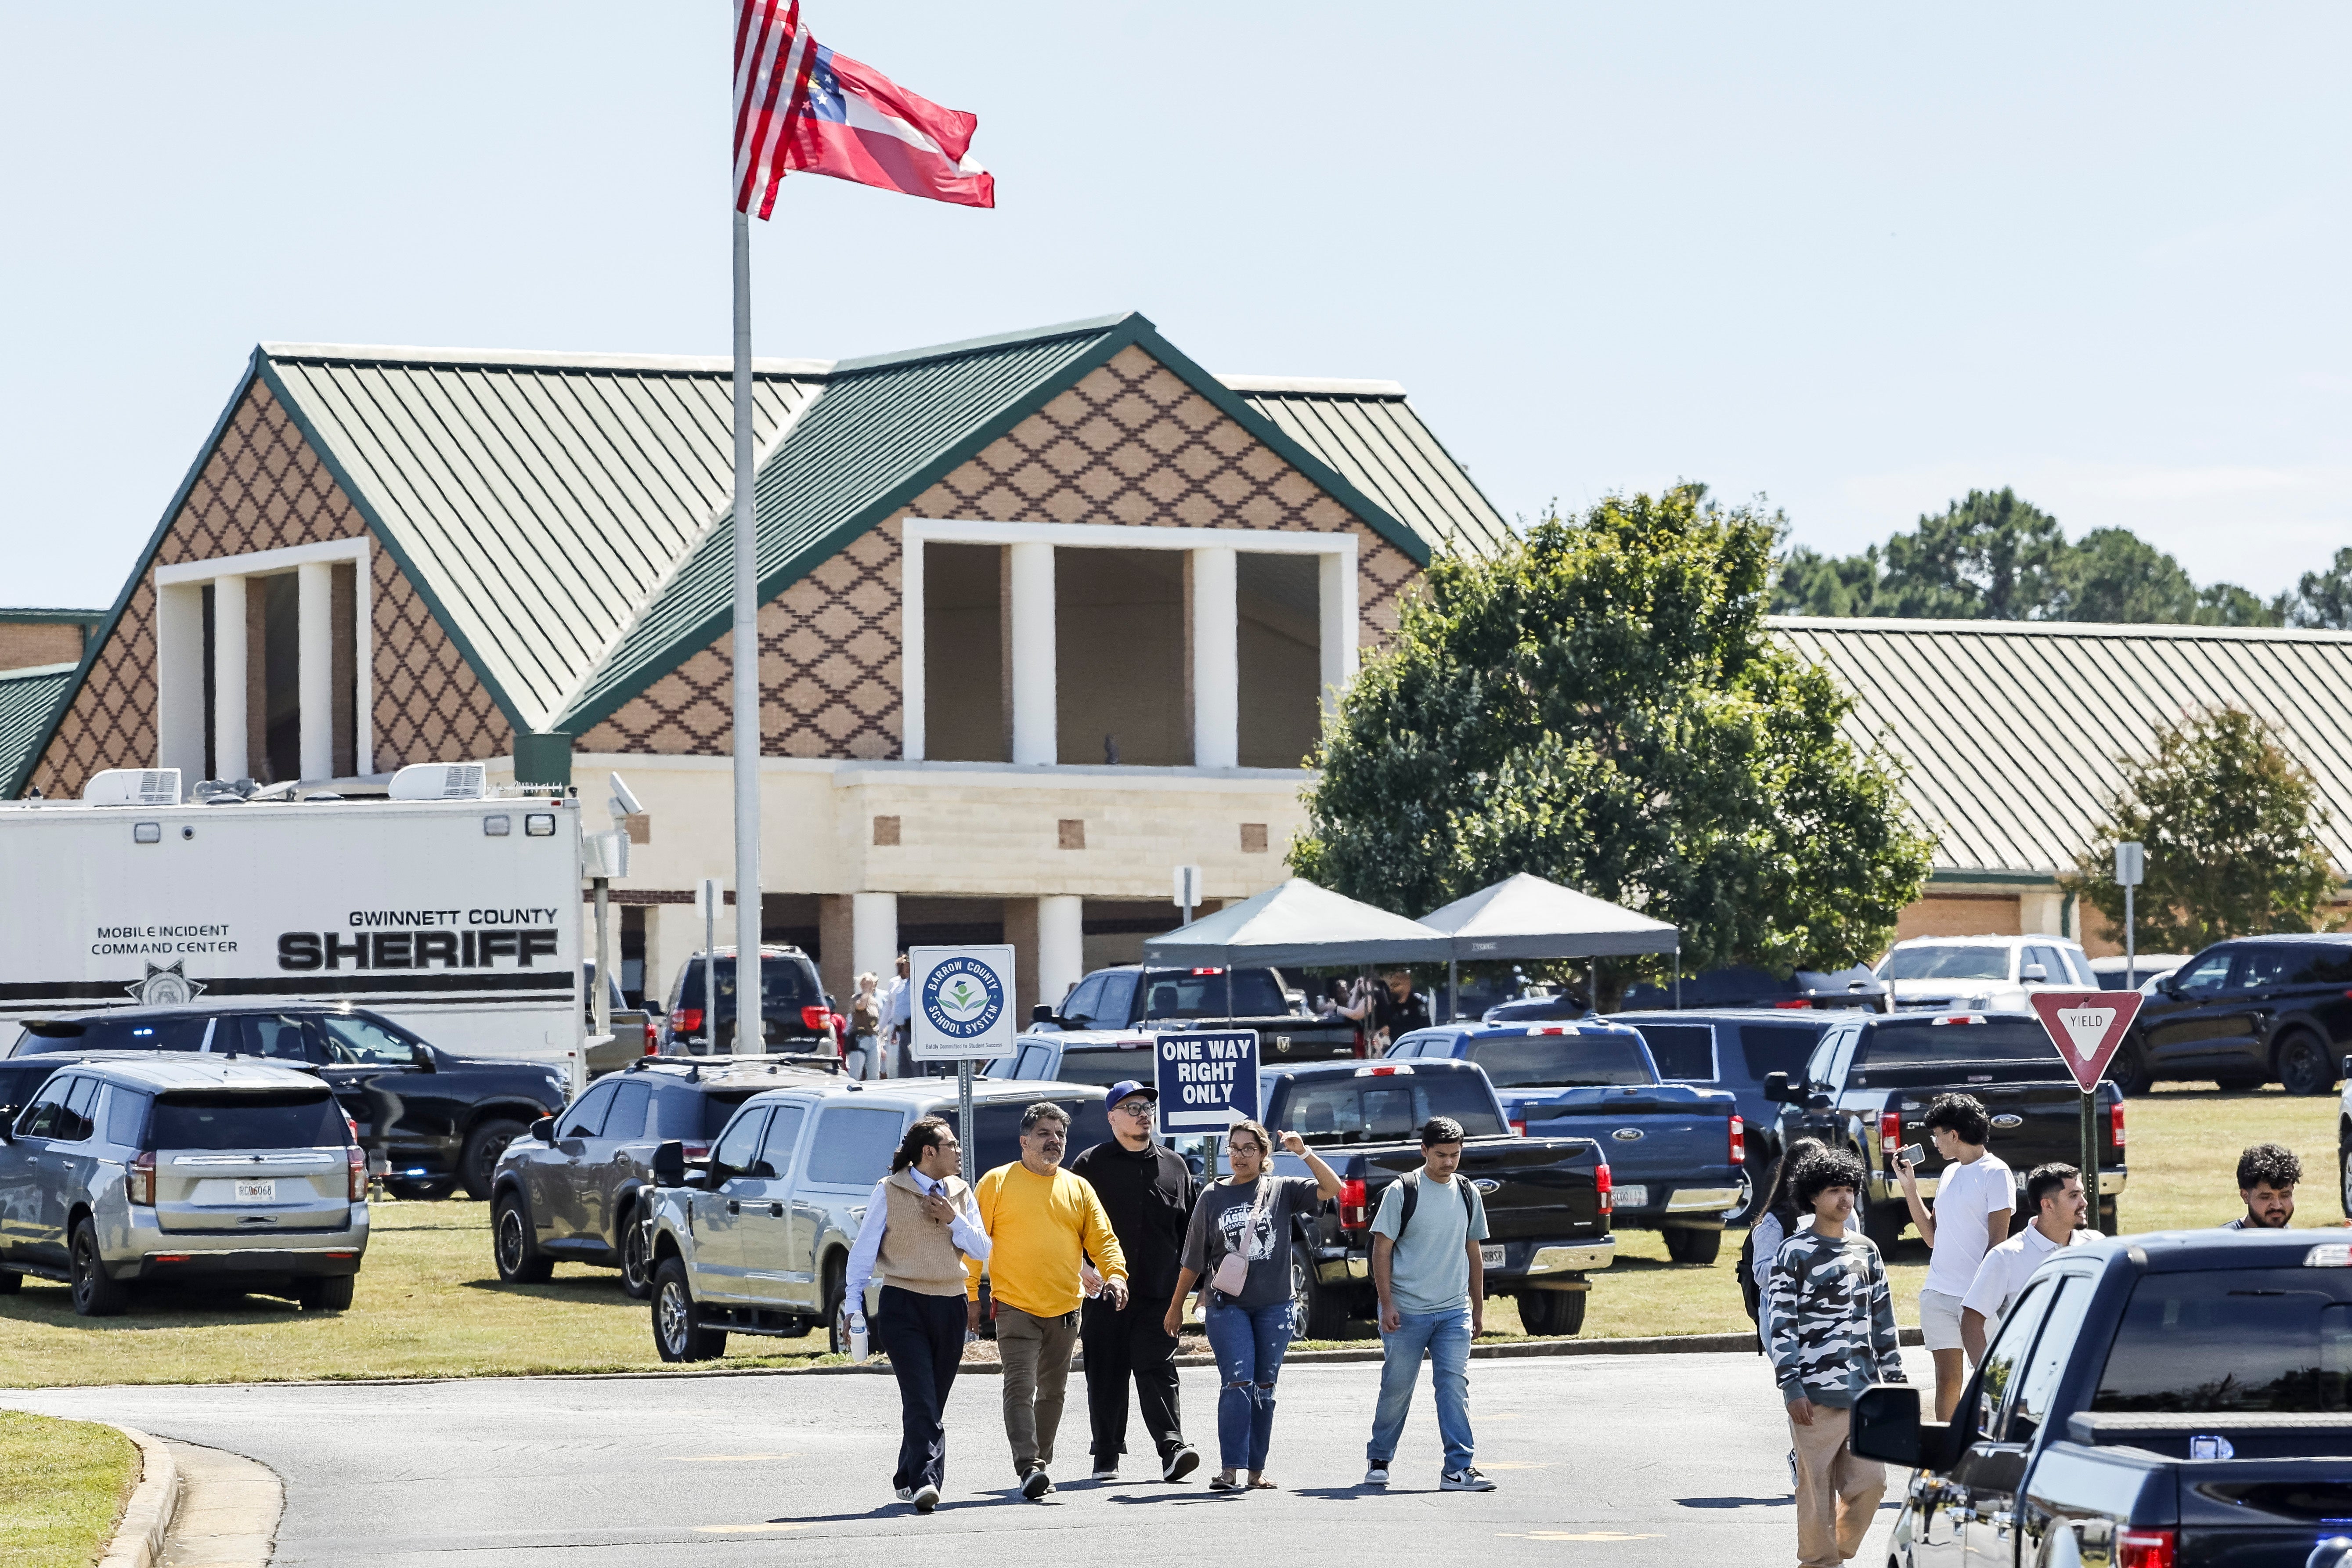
(1996, 557)
(2324, 599)
(1601, 705)
(2231, 828)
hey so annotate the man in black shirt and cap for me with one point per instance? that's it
(1399, 1010)
(1149, 1192)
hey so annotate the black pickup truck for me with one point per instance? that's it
(2168, 1401)
(1547, 1198)
(1110, 1008)
(1869, 1084)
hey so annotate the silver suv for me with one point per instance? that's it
(758, 1242)
(136, 1169)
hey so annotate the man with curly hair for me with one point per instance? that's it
(1829, 1322)
(2267, 1174)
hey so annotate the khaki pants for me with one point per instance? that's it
(1837, 1493)
(1036, 1352)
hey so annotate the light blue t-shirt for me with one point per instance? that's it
(1429, 1270)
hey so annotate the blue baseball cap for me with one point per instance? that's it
(1126, 1087)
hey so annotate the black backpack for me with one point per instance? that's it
(1411, 1182)
(1750, 1297)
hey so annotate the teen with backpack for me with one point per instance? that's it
(1427, 1267)
(1776, 1220)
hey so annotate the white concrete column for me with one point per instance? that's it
(2042, 914)
(1036, 719)
(873, 936)
(1216, 657)
(1061, 945)
(1337, 604)
(228, 678)
(314, 647)
(180, 681)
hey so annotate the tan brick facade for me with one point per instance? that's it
(27, 644)
(1130, 444)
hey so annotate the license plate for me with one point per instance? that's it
(1492, 1257)
(256, 1191)
(1631, 1197)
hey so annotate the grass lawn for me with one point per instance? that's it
(429, 1303)
(62, 1485)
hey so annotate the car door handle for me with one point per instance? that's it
(775, 1211)
(733, 1206)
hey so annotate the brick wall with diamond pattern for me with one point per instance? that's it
(263, 487)
(1130, 444)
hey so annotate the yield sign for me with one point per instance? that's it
(2086, 1027)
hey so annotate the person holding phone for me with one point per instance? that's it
(1975, 1195)
(1238, 1244)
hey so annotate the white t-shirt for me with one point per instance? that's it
(2008, 1267)
(1966, 1196)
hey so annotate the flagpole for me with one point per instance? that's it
(748, 993)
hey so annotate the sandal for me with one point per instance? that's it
(1262, 1485)
(1224, 1482)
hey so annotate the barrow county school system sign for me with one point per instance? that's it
(962, 1007)
(1207, 1081)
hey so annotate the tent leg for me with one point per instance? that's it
(1453, 990)
(1678, 980)
(1592, 986)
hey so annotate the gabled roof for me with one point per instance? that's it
(2011, 731)
(30, 700)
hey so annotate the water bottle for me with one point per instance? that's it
(857, 1337)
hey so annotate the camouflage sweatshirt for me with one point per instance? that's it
(1829, 1321)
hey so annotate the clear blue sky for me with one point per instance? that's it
(1857, 258)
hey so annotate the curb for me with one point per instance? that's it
(139, 1534)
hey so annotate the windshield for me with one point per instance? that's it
(1104, 1068)
(1201, 993)
(784, 982)
(255, 1118)
(1901, 1042)
(1387, 1110)
(1945, 963)
(1563, 1061)
(2259, 1339)
(140, 1032)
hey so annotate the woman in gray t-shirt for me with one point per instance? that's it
(1243, 1225)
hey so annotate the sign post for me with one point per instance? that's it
(962, 1013)
(1187, 891)
(2087, 1027)
(706, 898)
(2129, 864)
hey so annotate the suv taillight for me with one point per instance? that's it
(653, 1036)
(2115, 1125)
(139, 1182)
(1353, 1210)
(1520, 1126)
(355, 1163)
(2144, 1549)
(1890, 1131)
(1607, 1189)
(1738, 1142)
(686, 1022)
(816, 1017)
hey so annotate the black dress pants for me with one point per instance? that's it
(1123, 1346)
(923, 1337)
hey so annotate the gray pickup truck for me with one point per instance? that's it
(1114, 1012)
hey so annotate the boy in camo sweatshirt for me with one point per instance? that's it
(1829, 1325)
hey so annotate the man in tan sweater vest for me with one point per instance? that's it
(920, 1227)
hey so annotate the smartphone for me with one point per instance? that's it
(1911, 1154)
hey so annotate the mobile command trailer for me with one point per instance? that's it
(457, 916)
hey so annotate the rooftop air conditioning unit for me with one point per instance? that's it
(132, 786)
(440, 781)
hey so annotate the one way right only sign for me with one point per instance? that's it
(2086, 1027)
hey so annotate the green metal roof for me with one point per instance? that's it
(29, 701)
(537, 501)
(27, 617)
(1368, 432)
(2011, 731)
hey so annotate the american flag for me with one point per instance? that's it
(773, 56)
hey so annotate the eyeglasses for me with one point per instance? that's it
(1133, 1107)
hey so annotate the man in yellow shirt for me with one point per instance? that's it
(1042, 1224)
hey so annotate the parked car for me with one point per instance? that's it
(133, 1169)
(634, 1032)
(2114, 972)
(1981, 973)
(1096, 1057)
(1676, 1151)
(1871, 1081)
(1129, 999)
(434, 1119)
(2159, 1400)
(757, 1241)
(1547, 1198)
(571, 1189)
(794, 1017)
(2245, 1013)
(1741, 985)
(1734, 1048)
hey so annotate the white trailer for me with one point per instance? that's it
(457, 916)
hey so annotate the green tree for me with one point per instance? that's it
(1990, 557)
(1812, 583)
(2113, 574)
(2230, 825)
(1600, 704)
(2323, 599)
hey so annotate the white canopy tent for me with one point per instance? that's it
(1300, 923)
(1525, 916)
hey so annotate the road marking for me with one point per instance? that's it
(1569, 1535)
(728, 1458)
(772, 1526)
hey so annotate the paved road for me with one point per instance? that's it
(1615, 1460)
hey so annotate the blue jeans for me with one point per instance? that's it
(1446, 1337)
(1248, 1342)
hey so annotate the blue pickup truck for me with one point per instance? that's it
(1674, 1150)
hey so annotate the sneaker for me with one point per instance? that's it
(925, 1498)
(1378, 1475)
(906, 1494)
(1180, 1463)
(1036, 1484)
(1465, 1479)
(1106, 1471)
(1792, 1473)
